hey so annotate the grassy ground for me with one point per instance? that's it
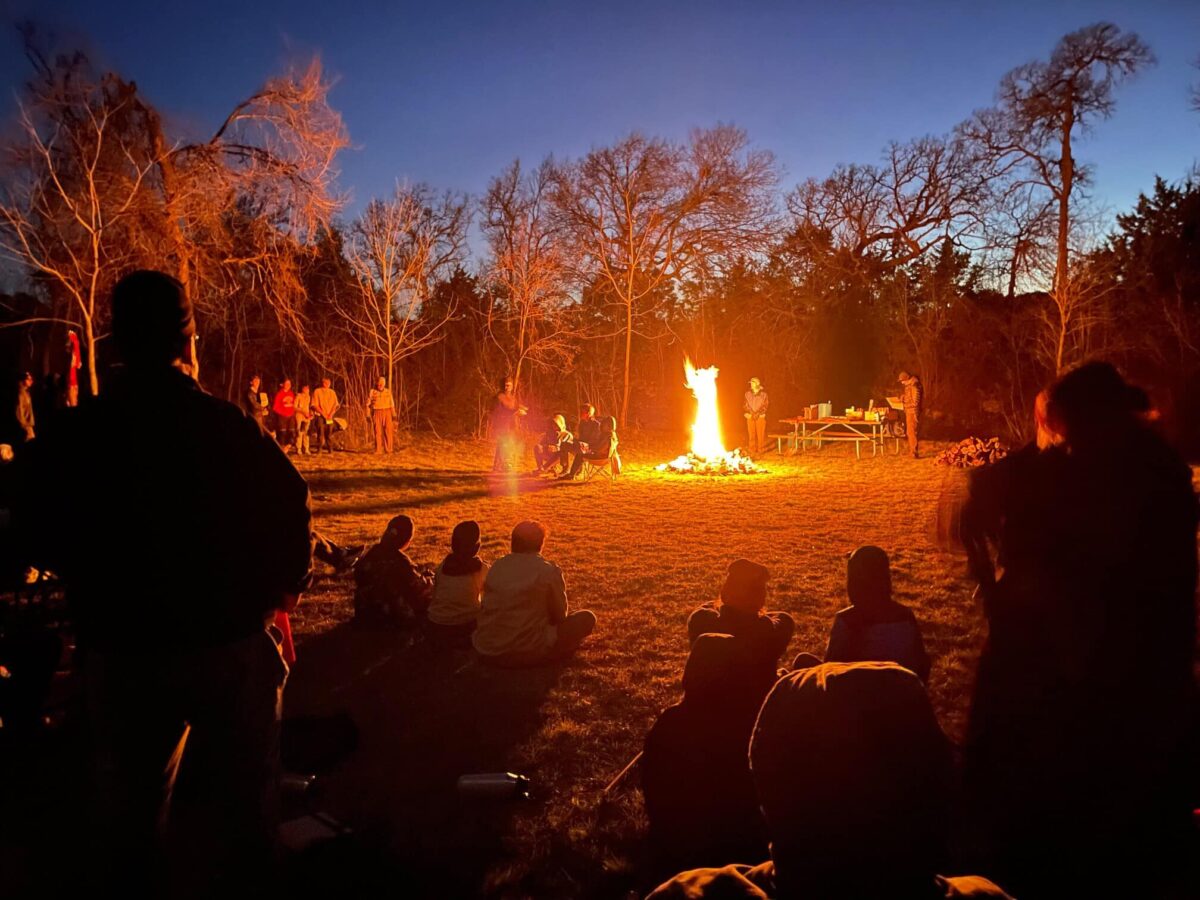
(641, 553)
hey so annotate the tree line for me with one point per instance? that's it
(974, 258)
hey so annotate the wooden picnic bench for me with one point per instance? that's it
(831, 429)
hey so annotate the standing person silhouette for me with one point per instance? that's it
(754, 407)
(177, 664)
(505, 414)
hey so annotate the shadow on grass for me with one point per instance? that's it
(489, 486)
(425, 716)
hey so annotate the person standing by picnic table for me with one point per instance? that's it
(913, 399)
(755, 408)
(382, 411)
(324, 405)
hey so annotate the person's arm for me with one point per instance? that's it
(557, 598)
(839, 641)
(282, 507)
(746, 410)
(766, 401)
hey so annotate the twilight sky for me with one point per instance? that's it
(450, 92)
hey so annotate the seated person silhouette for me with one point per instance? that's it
(854, 777)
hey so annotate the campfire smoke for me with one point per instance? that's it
(708, 455)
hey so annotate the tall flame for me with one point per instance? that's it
(706, 430)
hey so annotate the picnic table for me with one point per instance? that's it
(832, 428)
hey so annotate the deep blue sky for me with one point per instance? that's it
(450, 92)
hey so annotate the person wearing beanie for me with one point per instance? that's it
(874, 626)
(523, 616)
(389, 589)
(172, 638)
(741, 612)
(854, 777)
(457, 587)
(695, 773)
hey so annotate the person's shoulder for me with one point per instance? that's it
(732, 882)
(970, 886)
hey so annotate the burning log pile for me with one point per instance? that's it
(972, 453)
(732, 462)
(708, 455)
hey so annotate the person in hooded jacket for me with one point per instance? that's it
(854, 777)
(874, 626)
(695, 771)
(457, 586)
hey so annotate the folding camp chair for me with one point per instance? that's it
(612, 466)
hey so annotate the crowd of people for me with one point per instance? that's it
(829, 777)
(304, 422)
(562, 453)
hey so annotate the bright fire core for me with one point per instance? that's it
(708, 455)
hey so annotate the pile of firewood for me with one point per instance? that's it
(973, 452)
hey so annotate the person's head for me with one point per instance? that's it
(380, 383)
(608, 425)
(529, 537)
(868, 577)
(26, 380)
(399, 532)
(464, 540)
(903, 377)
(586, 411)
(853, 774)
(255, 381)
(325, 382)
(755, 384)
(559, 423)
(1046, 434)
(1093, 401)
(507, 385)
(287, 384)
(152, 324)
(745, 587)
(304, 390)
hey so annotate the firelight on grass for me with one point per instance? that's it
(708, 455)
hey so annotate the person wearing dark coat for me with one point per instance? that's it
(1084, 709)
(599, 449)
(741, 612)
(854, 777)
(389, 589)
(188, 530)
(874, 626)
(695, 771)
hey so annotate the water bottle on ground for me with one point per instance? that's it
(493, 786)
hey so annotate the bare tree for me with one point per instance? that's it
(74, 189)
(644, 211)
(395, 249)
(1042, 106)
(529, 272)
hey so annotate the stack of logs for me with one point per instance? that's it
(973, 452)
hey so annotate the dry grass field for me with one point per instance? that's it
(641, 553)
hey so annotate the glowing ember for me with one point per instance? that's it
(708, 455)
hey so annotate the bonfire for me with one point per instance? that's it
(708, 455)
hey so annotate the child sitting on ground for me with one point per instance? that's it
(457, 587)
(874, 627)
(741, 613)
(388, 588)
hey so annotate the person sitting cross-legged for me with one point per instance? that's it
(741, 612)
(854, 776)
(599, 450)
(388, 588)
(700, 798)
(874, 626)
(523, 618)
(457, 587)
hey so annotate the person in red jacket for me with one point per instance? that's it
(284, 408)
